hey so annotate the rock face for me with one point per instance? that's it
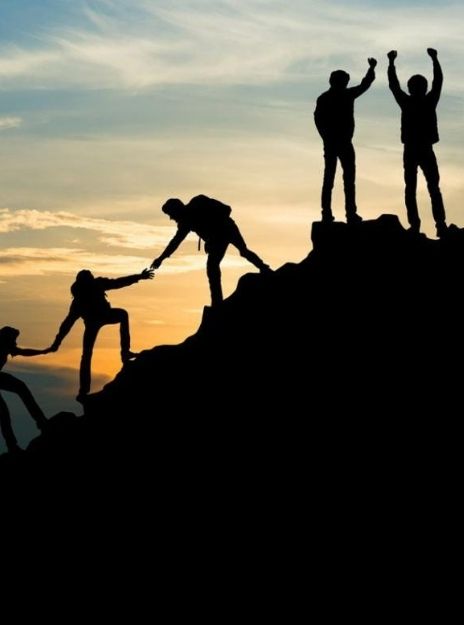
(340, 364)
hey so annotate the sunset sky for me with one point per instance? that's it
(109, 107)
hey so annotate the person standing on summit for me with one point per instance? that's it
(419, 131)
(334, 119)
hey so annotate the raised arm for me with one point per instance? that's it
(367, 81)
(437, 82)
(118, 283)
(393, 81)
(171, 246)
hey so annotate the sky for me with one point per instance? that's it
(110, 107)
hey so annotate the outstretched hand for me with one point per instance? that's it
(432, 53)
(156, 263)
(147, 274)
(392, 55)
(372, 62)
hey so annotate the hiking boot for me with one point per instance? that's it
(353, 219)
(442, 230)
(81, 397)
(126, 356)
(327, 217)
(265, 269)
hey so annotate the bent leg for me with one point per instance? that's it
(348, 162)
(6, 428)
(330, 167)
(236, 239)
(410, 165)
(429, 166)
(88, 342)
(10, 383)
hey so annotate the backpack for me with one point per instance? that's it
(206, 215)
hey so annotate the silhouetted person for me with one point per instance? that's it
(10, 383)
(334, 119)
(211, 220)
(419, 131)
(90, 304)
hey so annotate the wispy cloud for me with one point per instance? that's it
(10, 122)
(126, 234)
(143, 43)
(31, 261)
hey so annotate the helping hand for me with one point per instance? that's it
(156, 263)
(147, 274)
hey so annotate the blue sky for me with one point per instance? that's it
(109, 107)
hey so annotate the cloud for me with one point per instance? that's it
(141, 43)
(127, 234)
(10, 122)
(30, 261)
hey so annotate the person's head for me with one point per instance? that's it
(339, 79)
(83, 279)
(8, 336)
(417, 85)
(174, 208)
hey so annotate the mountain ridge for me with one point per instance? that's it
(333, 357)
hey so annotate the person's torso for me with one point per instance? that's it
(91, 302)
(334, 115)
(419, 123)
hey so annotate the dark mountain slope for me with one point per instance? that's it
(342, 364)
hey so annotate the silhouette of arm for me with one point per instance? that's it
(107, 284)
(393, 81)
(65, 327)
(172, 246)
(366, 82)
(437, 82)
(24, 351)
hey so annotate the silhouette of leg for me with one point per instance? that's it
(236, 239)
(330, 167)
(429, 166)
(119, 315)
(5, 426)
(216, 251)
(410, 165)
(11, 383)
(348, 162)
(90, 336)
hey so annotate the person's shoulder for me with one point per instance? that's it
(100, 283)
(324, 95)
